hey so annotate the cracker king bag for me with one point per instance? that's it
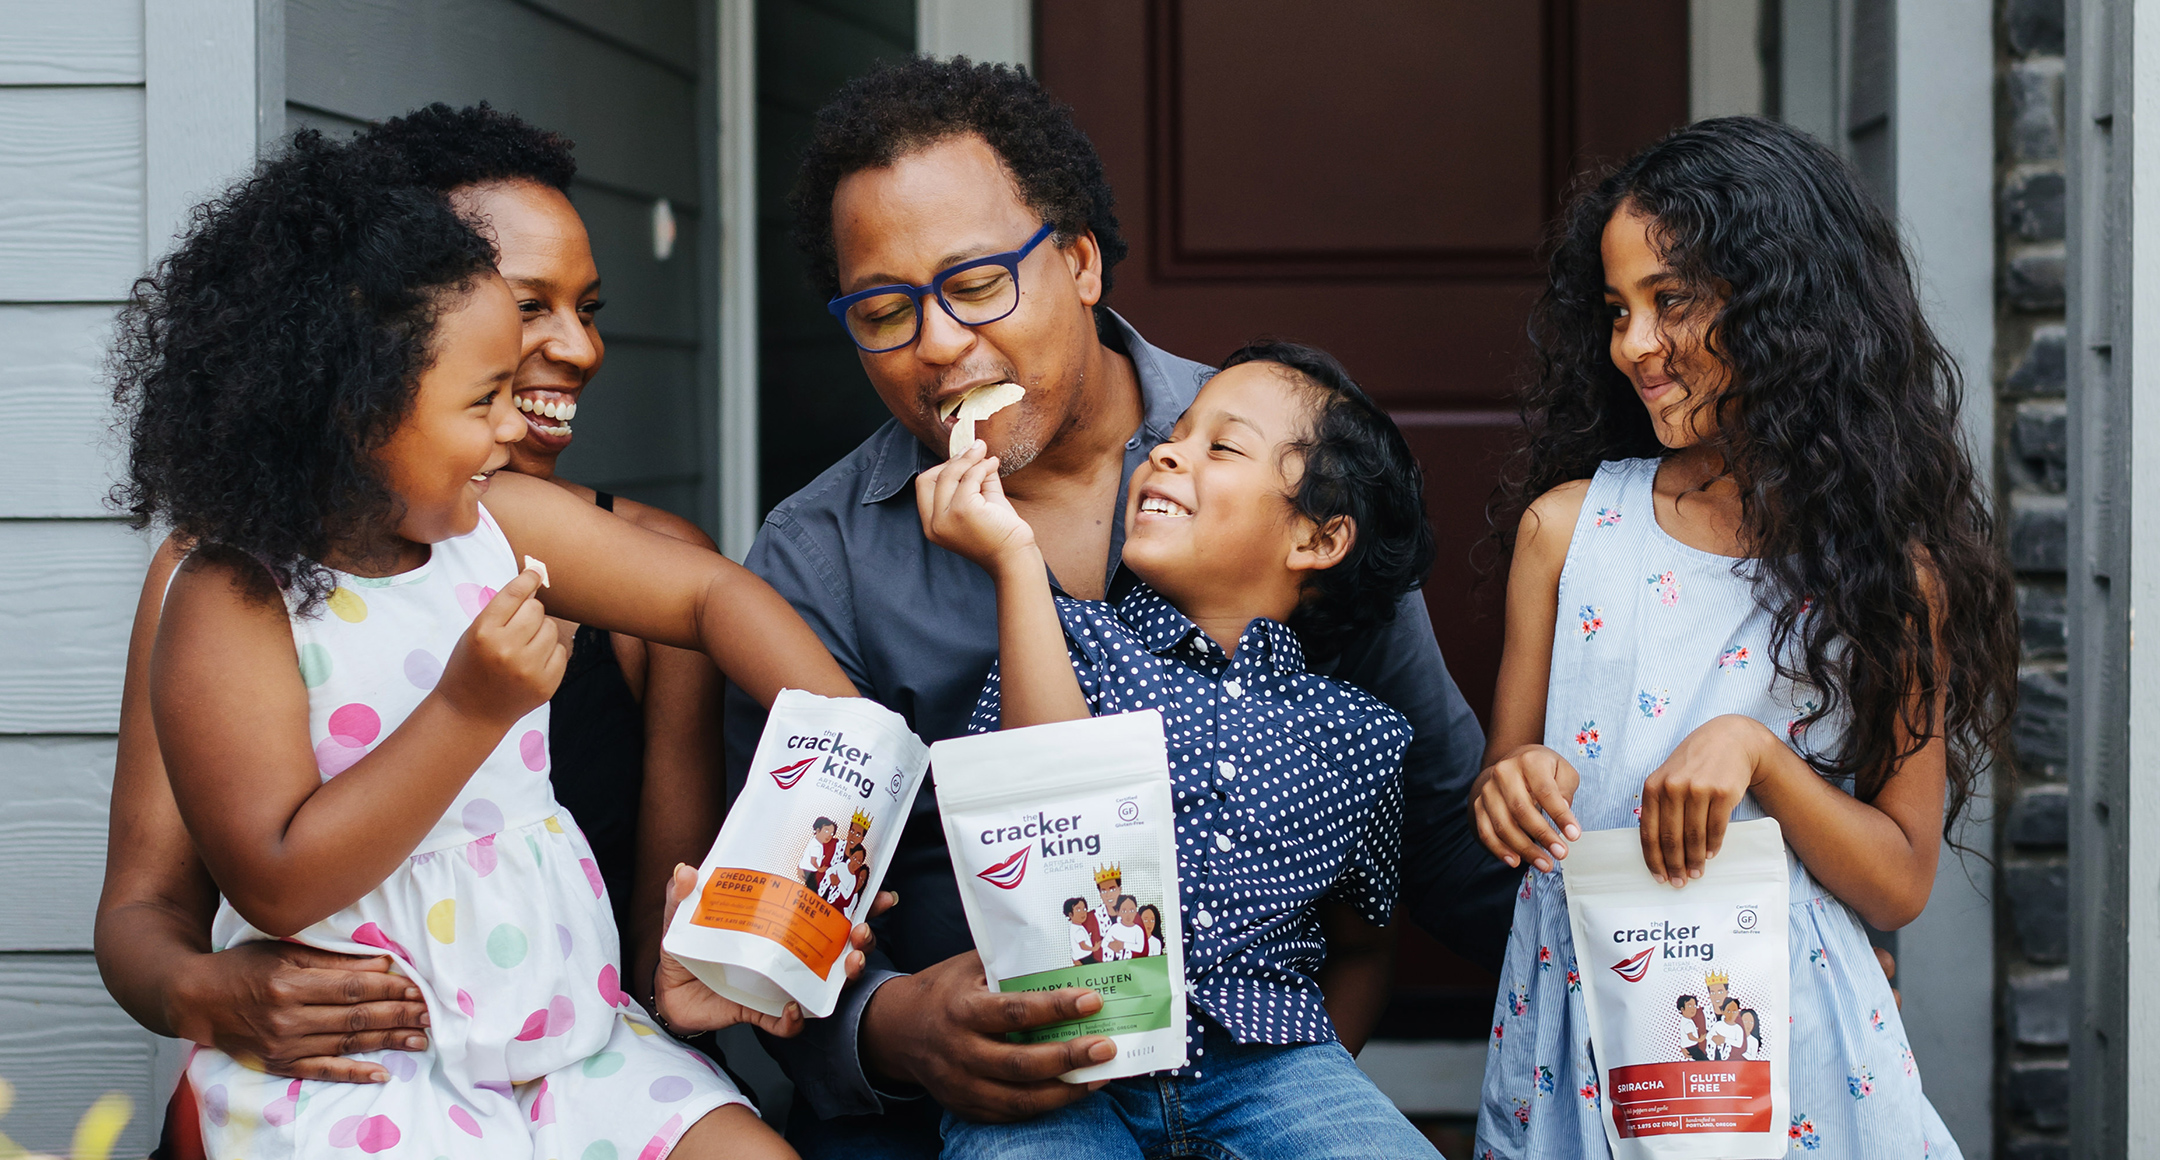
(801, 854)
(1064, 841)
(1687, 994)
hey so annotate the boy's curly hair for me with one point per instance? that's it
(1356, 464)
(444, 148)
(894, 109)
(260, 365)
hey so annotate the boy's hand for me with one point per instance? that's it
(690, 1006)
(510, 658)
(1688, 801)
(964, 509)
(1522, 806)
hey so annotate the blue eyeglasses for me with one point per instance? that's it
(976, 292)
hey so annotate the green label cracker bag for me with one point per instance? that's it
(1688, 995)
(1064, 841)
(802, 853)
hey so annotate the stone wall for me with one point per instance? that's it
(2032, 852)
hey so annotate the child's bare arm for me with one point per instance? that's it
(1878, 857)
(287, 848)
(1355, 976)
(1521, 800)
(609, 573)
(964, 511)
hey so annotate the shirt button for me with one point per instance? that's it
(1227, 770)
(1204, 918)
(1232, 687)
(1222, 842)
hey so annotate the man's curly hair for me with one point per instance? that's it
(1356, 463)
(897, 108)
(260, 365)
(443, 148)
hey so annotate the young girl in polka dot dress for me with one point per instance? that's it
(1752, 575)
(351, 678)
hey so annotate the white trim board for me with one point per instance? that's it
(981, 30)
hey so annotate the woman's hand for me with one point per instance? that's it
(965, 512)
(297, 1012)
(1689, 800)
(1522, 806)
(689, 1006)
(510, 659)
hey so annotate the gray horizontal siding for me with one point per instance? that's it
(646, 297)
(67, 591)
(71, 207)
(52, 840)
(631, 116)
(665, 30)
(63, 1043)
(643, 419)
(60, 442)
(79, 42)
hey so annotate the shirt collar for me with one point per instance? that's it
(899, 456)
(1164, 631)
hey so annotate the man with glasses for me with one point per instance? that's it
(962, 227)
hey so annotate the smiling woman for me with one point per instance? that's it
(632, 750)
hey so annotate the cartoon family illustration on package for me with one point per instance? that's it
(1116, 928)
(839, 872)
(1720, 1028)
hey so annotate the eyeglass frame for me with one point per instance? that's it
(1010, 260)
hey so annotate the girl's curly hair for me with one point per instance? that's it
(1356, 464)
(1840, 426)
(260, 365)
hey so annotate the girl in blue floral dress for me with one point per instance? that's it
(1753, 575)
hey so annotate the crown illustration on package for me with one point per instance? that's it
(860, 821)
(1717, 979)
(1104, 875)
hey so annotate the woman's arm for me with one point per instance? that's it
(294, 1008)
(1521, 799)
(1355, 976)
(685, 770)
(964, 511)
(611, 574)
(288, 848)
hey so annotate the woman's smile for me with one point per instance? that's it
(547, 412)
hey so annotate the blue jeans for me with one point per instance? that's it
(1256, 1102)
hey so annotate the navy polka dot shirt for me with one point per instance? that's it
(1288, 793)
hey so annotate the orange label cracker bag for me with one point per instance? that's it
(1688, 995)
(802, 853)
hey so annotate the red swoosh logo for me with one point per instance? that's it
(787, 775)
(1007, 874)
(1635, 966)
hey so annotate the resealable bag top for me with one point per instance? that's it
(802, 853)
(1064, 842)
(1688, 995)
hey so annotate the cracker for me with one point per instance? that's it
(534, 564)
(978, 404)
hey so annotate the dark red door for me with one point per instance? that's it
(1373, 177)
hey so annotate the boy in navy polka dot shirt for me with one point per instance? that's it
(1283, 516)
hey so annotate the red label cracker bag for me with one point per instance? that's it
(802, 853)
(1687, 993)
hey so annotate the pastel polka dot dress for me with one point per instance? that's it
(1654, 639)
(537, 1049)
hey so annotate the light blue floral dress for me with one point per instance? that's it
(1654, 639)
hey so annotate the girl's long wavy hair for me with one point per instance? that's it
(1839, 425)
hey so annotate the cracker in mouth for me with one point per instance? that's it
(980, 403)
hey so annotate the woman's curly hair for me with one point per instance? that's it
(260, 365)
(444, 148)
(1355, 464)
(1840, 427)
(896, 108)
